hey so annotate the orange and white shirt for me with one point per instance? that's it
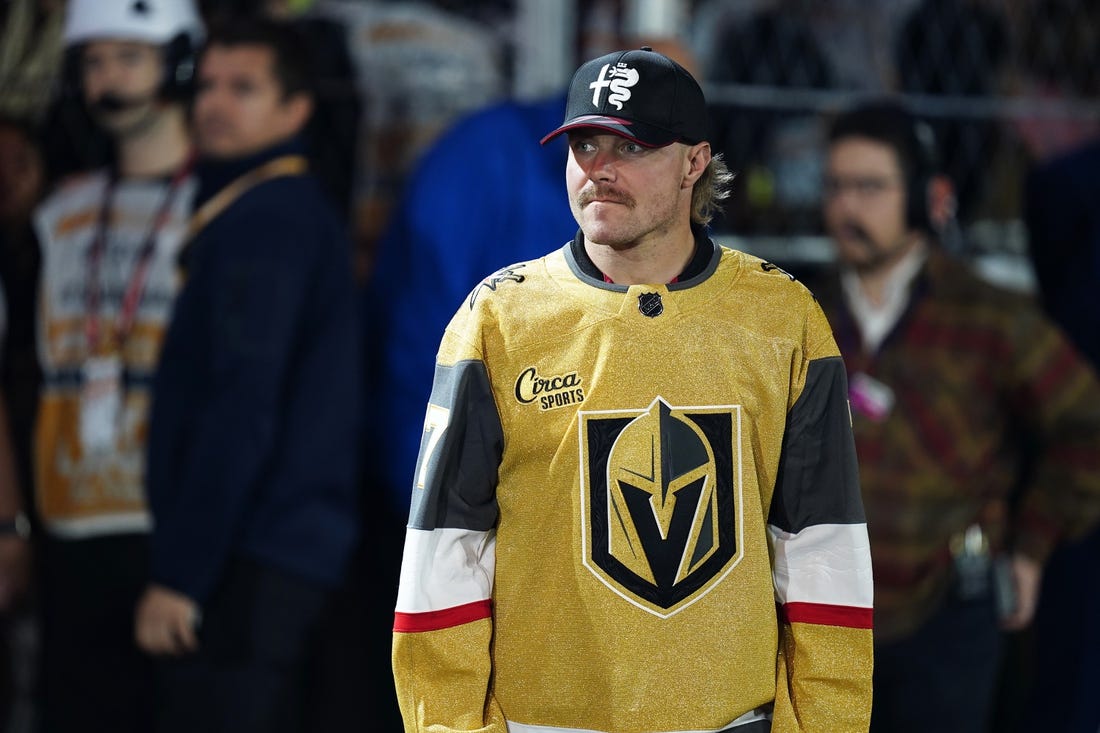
(81, 492)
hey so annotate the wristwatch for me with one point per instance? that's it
(18, 525)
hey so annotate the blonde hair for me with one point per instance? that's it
(712, 188)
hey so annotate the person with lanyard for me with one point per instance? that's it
(255, 428)
(109, 242)
(636, 506)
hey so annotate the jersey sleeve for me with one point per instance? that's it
(443, 624)
(821, 555)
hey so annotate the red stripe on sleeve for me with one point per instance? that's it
(828, 615)
(411, 623)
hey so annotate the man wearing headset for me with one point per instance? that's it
(109, 241)
(951, 381)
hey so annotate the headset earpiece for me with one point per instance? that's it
(923, 166)
(179, 68)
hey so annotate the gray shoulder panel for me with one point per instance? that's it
(460, 451)
(818, 478)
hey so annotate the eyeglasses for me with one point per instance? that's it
(864, 187)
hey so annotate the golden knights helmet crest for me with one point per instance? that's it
(661, 501)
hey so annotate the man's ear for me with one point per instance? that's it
(696, 161)
(941, 201)
(299, 108)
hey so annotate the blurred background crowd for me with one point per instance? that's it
(1006, 84)
(425, 130)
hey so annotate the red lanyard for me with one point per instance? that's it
(135, 289)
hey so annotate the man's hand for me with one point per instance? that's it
(1027, 576)
(165, 622)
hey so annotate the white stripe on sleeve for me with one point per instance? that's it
(824, 563)
(444, 568)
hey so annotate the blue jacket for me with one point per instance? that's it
(484, 196)
(254, 433)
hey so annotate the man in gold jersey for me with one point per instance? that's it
(636, 505)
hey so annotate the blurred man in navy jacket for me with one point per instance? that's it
(255, 426)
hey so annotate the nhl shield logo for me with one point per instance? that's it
(650, 304)
(661, 501)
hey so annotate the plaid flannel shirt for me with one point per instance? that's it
(993, 417)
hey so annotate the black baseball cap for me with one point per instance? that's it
(641, 95)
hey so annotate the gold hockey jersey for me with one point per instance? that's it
(636, 509)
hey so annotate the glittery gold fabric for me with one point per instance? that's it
(570, 647)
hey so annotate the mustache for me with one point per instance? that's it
(110, 102)
(854, 230)
(604, 193)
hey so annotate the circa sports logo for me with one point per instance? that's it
(618, 79)
(661, 502)
(550, 392)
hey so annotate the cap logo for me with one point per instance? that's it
(618, 79)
